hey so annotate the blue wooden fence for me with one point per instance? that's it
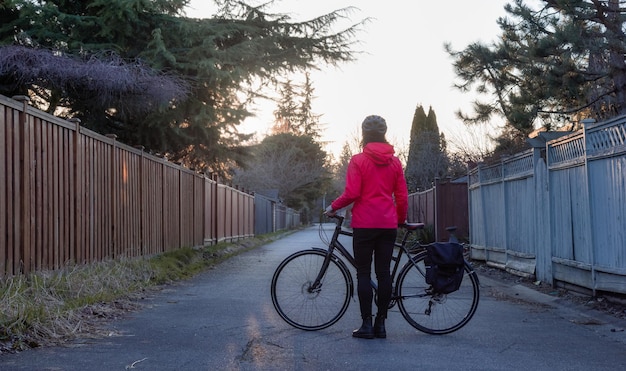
(556, 212)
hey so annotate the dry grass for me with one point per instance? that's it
(51, 308)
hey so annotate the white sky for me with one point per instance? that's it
(404, 64)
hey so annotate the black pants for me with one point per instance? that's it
(379, 243)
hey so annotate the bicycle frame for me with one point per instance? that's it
(335, 244)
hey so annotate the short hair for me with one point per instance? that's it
(373, 137)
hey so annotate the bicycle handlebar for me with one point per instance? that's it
(407, 226)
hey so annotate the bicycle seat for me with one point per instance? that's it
(413, 226)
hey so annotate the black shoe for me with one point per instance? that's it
(379, 328)
(366, 331)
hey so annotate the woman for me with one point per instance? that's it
(375, 184)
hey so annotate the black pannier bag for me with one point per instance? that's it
(444, 266)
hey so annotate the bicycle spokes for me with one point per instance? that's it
(311, 289)
(297, 293)
(430, 311)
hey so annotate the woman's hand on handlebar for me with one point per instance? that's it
(329, 212)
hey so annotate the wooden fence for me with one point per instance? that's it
(270, 215)
(71, 196)
(442, 206)
(557, 212)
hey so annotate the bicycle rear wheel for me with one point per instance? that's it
(434, 313)
(304, 306)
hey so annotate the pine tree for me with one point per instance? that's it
(561, 61)
(310, 121)
(293, 113)
(286, 112)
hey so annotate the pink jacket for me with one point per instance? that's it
(375, 184)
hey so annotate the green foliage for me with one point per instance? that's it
(219, 58)
(176, 264)
(428, 234)
(562, 61)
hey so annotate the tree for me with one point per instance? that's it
(427, 158)
(473, 144)
(294, 113)
(562, 61)
(340, 170)
(309, 121)
(285, 114)
(295, 165)
(55, 80)
(221, 60)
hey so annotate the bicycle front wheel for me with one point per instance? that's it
(299, 302)
(430, 312)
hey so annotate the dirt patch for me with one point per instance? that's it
(606, 303)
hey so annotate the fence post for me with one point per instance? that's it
(541, 225)
(592, 252)
(180, 205)
(142, 216)
(485, 227)
(113, 204)
(436, 205)
(505, 209)
(164, 206)
(21, 258)
(78, 194)
(204, 209)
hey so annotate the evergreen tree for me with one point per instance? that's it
(294, 113)
(427, 158)
(341, 169)
(310, 122)
(217, 58)
(285, 114)
(562, 61)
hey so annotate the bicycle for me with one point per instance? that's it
(311, 289)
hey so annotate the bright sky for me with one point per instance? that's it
(404, 65)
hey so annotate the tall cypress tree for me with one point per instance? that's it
(427, 158)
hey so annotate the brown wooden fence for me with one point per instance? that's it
(442, 206)
(69, 195)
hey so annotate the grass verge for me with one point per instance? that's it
(53, 307)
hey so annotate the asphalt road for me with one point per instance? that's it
(224, 320)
